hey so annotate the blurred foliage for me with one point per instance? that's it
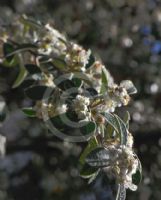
(127, 36)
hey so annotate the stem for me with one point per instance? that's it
(121, 192)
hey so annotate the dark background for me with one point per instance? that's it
(127, 36)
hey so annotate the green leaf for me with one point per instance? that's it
(30, 22)
(71, 115)
(28, 83)
(21, 76)
(123, 132)
(60, 64)
(99, 157)
(45, 59)
(67, 84)
(26, 46)
(119, 126)
(90, 61)
(93, 177)
(63, 121)
(13, 62)
(92, 92)
(126, 119)
(19, 49)
(129, 86)
(32, 69)
(8, 49)
(87, 171)
(77, 82)
(29, 112)
(84, 77)
(38, 92)
(111, 120)
(104, 81)
(58, 122)
(136, 178)
(109, 132)
(92, 144)
(88, 128)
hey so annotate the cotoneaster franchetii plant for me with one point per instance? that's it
(76, 97)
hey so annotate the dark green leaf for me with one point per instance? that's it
(29, 112)
(93, 177)
(8, 49)
(27, 83)
(57, 122)
(90, 61)
(26, 46)
(45, 59)
(32, 69)
(68, 84)
(88, 128)
(77, 82)
(87, 171)
(136, 178)
(92, 144)
(92, 92)
(99, 157)
(38, 92)
(22, 47)
(62, 122)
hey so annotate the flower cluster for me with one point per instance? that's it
(50, 41)
(123, 165)
(123, 162)
(76, 57)
(116, 96)
(80, 105)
